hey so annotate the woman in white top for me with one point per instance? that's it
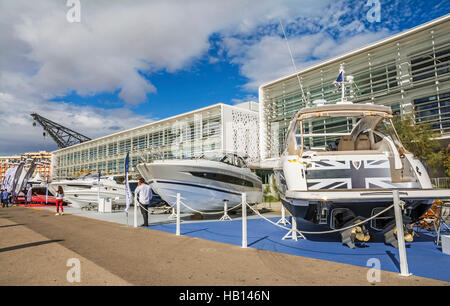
(59, 200)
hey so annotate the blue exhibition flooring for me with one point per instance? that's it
(424, 257)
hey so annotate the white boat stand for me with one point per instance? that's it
(283, 219)
(225, 212)
(173, 215)
(292, 233)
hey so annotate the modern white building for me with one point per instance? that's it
(216, 127)
(409, 72)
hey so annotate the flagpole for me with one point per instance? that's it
(127, 188)
(343, 83)
(98, 189)
(46, 191)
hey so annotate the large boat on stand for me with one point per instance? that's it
(335, 180)
(203, 182)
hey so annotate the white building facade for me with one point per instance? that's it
(410, 72)
(216, 127)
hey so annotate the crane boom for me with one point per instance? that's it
(63, 136)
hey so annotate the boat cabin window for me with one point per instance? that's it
(234, 160)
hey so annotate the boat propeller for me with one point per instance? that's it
(357, 233)
(360, 233)
(408, 233)
(390, 233)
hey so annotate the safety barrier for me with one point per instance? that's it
(293, 231)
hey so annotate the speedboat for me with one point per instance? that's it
(335, 177)
(89, 189)
(204, 182)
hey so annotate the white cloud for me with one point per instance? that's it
(312, 39)
(44, 56)
(115, 39)
(18, 135)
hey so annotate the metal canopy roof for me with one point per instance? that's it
(344, 109)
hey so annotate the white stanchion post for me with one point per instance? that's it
(135, 210)
(46, 192)
(400, 235)
(178, 214)
(244, 220)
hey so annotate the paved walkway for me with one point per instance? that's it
(35, 246)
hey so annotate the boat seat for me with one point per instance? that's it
(346, 143)
(362, 142)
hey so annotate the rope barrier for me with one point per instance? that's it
(142, 206)
(209, 213)
(322, 232)
(280, 226)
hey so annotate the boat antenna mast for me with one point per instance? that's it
(342, 81)
(293, 64)
(63, 136)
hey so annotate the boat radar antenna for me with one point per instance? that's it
(342, 81)
(293, 64)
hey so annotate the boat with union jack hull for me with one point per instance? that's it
(336, 179)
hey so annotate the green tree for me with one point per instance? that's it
(419, 139)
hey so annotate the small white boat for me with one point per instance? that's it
(86, 190)
(204, 183)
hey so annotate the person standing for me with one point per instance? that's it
(59, 200)
(13, 198)
(144, 195)
(5, 198)
(29, 195)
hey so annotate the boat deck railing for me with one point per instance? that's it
(441, 182)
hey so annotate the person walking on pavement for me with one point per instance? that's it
(143, 195)
(59, 200)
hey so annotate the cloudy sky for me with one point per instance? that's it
(127, 63)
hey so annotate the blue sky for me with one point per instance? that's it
(128, 63)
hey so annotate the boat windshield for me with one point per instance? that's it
(232, 159)
(344, 133)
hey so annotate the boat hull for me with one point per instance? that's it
(81, 198)
(308, 206)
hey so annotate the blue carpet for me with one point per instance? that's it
(424, 257)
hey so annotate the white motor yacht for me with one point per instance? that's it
(334, 177)
(204, 183)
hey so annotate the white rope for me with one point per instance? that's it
(209, 213)
(142, 206)
(323, 232)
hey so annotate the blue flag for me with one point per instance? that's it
(127, 186)
(340, 78)
(127, 161)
